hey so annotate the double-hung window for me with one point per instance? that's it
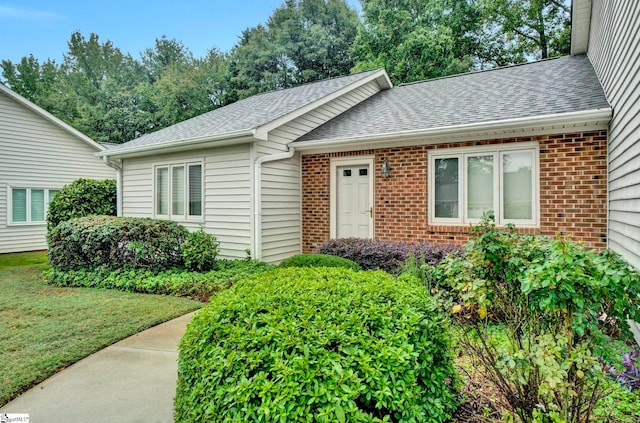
(178, 191)
(29, 205)
(465, 183)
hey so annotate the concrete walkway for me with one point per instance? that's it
(133, 380)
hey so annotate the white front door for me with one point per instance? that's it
(354, 208)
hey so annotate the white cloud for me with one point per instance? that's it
(19, 13)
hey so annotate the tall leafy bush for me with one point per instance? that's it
(317, 344)
(112, 243)
(83, 197)
(550, 295)
(200, 250)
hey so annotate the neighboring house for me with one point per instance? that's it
(39, 154)
(609, 32)
(279, 173)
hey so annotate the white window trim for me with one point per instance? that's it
(28, 222)
(333, 192)
(185, 217)
(497, 151)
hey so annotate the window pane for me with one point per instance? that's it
(19, 205)
(446, 187)
(195, 190)
(52, 193)
(177, 190)
(162, 190)
(479, 186)
(37, 205)
(517, 185)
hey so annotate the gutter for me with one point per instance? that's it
(257, 195)
(453, 131)
(227, 138)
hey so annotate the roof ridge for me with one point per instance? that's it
(548, 59)
(331, 78)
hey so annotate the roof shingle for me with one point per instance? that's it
(561, 85)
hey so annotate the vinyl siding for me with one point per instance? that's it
(281, 198)
(35, 153)
(281, 221)
(227, 193)
(614, 49)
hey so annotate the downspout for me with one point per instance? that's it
(257, 194)
(118, 167)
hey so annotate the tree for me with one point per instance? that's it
(165, 54)
(417, 40)
(303, 41)
(518, 30)
(31, 79)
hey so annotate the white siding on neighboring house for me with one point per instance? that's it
(35, 153)
(227, 193)
(281, 180)
(614, 50)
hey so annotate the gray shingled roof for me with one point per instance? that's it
(246, 114)
(566, 84)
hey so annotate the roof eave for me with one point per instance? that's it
(229, 138)
(380, 75)
(596, 119)
(51, 118)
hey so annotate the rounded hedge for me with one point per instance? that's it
(83, 197)
(319, 260)
(317, 344)
(112, 243)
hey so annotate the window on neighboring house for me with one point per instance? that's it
(465, 183)
(179, 190)
(30, 205)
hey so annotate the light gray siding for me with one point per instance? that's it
(281, 180)
(614, 49)
(35, 153)
(227, 193)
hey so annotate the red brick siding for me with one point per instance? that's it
(573, 191)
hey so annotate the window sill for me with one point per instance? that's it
(22, 224)
(466, 227)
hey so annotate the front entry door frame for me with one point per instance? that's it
(349, 161)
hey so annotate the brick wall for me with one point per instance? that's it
(573, 191)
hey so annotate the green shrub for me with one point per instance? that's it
(319, 260)
(317, 344)
(116, 243)
(550, 294)
(200, 250)
(177, 282)
(83, 197)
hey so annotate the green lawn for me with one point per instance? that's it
(23, 259)
(44, 329)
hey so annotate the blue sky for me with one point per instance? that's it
(43, 27)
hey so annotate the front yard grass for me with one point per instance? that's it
(23, 259)
(44, 329)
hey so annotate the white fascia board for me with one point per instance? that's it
(229, 138)
(580, 26)
(590, 120)
(51, 118)
(262, 132)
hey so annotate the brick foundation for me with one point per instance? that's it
(573, 191)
